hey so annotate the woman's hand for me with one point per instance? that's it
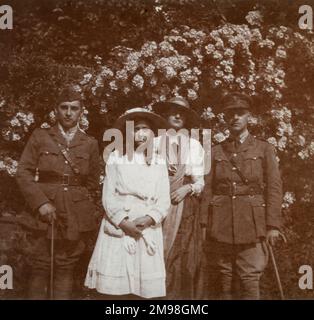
(130, 229)
(144, 222)
(179, 195)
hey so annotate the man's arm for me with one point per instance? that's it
(273, 189)
(207, 195)
(93, 176)
(32, 193)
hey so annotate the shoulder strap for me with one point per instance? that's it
(67, 156)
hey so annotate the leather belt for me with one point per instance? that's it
(238, 190)
(62, 179)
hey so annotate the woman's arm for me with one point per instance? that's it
(161, 207)
(111, 203)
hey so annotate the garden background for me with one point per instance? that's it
(128, 53)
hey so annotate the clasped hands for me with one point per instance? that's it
(134, 228)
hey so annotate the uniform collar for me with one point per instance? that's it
(69, 135)
(77, 139)
(242, 136)
(248, 141)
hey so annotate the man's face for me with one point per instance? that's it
(237, 119)
(68, 113)
(176, 118)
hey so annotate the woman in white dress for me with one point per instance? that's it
(128, 256)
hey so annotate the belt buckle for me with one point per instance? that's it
(65, 182)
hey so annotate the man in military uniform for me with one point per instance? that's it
(58, 170)
(241, 205)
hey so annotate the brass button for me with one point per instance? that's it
(234, 154)
(234, 168)
(65, 189)
(66, 162)
(234, 183)
(233, 197)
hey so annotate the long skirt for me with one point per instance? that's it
(186, 262)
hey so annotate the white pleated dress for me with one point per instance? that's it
(131, 189)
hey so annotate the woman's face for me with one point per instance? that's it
(176, 118)
(142, 132)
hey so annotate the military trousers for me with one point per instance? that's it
(67, 253)
(235, 270)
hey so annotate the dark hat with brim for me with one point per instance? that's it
(236, 100)
(156, 120)
(182, 105)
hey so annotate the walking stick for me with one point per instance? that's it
(272, 256)
(52, 259)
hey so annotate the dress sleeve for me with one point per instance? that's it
(162, 205)
(113, 206)
(197, 167)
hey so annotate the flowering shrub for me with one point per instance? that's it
(156, 60)
(192, 63)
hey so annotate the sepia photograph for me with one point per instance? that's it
(156, 150)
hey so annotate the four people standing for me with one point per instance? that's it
(156, 202)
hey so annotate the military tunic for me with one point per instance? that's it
(75, 212)
(74, 209)
(241, 201)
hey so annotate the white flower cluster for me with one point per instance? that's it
(307, 152)
(288, 199)
(84, 123)
(9, 166)
(208, 114)
(284, 128)
(254, 18)
(283, 114)
(138, 81)
(87, 78)
(18, 126)
(219, 137)
(22, 119)
(307, 194)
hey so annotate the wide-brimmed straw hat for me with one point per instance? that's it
(182, 105)
(156, 120)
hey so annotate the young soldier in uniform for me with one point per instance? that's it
(241, 205)
(57, 170)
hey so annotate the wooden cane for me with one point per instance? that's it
(270, 249)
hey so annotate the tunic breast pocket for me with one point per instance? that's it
(82, 161)
(48, 159)
(222, 168)
(253, 165)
